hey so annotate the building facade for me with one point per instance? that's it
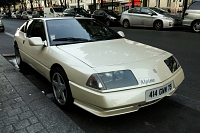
(117, 5)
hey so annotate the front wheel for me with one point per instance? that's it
(126, 24)
(61, 89)
(18, 58)
(196, 26)
(158, 25)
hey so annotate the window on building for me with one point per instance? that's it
(169, 3)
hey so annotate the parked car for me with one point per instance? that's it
(78, 12)
(53, 12)
(26, 15)
(2, 28)
(18, 14)
(94, 67)
(149, 17)
(192, 16)
(38, 14)
(109, 17)
(13, 15)
(3, 15)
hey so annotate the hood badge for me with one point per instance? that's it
(147, 81)
(154, 70)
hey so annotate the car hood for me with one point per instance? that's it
(111, 52)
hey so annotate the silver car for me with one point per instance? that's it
(192, 16)
(149, 17)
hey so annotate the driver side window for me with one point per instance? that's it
(36, 29)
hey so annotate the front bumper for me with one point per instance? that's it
(168, 23)
(119, 102)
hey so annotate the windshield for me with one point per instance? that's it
(71, 31)
(158, 10)
(111, 12)
(29, 12)
(58, 9)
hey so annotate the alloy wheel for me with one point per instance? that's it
(196, 26)
(126, 24)
(59, 88)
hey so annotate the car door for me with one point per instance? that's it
(36, 55)
(99, 15)
(134, 16)
(147, 17)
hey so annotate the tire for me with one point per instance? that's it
(18, 58)
(108, 23)
(158, 25)
(196, 26)
(126, 24)
(61, 88)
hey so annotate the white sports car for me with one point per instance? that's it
(95, 68)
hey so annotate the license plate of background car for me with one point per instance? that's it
(159, 92)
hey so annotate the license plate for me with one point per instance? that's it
(159, 92)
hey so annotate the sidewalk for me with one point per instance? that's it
(24, 109)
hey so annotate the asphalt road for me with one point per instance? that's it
(177, 114)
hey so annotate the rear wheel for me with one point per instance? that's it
(196, 26)
(61, 88)
(126, 24)
(158, 25)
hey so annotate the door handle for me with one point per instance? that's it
(23, 41)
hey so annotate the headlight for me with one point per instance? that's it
(112, 80)
(168, 18)
(112, 17)
(172, 63)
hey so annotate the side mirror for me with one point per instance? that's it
(121, 33)
(36, 41)
(151, 14)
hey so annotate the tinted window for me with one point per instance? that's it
(37, 29)
(134, 10)
(58, 9)
(67, 10)
(195, 6)
(145, 11)
(101, 12)
(110, 12)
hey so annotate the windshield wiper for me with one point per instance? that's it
(72, 39)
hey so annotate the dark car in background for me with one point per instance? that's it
(18, 14)
(26, 15)
(38, 14)
(3, 15)
(78, 12)
(108, 17)
(2, 28)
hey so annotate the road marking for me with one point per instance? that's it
(9, 34)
